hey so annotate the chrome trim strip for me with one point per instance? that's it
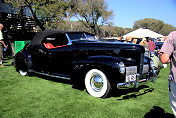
(145, 68)
(69, 40)
(55, 76)
(141, 63)
(130, 70)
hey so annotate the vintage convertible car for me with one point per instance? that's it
(98, 66)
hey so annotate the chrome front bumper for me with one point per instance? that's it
(149, 77)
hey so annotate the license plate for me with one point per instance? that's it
(130, 78)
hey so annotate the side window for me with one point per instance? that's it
(61, 39)
(48, 39)
(55, 40)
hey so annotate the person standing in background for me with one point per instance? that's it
(168, 55)
(145, 44)
(2, 45)
(152, 45)
(126, 40)
(134, 41)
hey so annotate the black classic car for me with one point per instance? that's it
(98, 66)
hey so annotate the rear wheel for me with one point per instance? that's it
(21, 66)
(23, 73)
(97, 84)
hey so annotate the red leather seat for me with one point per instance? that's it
(50, 46)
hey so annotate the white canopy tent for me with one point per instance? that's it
(143, 33)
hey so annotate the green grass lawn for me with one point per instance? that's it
(38, 97)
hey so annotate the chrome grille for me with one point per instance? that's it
(131, 70)
(145, 68)
(141, 63)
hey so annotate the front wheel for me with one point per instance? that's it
(97, 84)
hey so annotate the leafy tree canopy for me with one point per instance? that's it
(46, 10)
(92, 12)
(154, 25)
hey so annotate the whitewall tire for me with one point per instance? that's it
(97, 84)
(21, 66)
(23, 73)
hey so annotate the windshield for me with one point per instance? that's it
(81, 36)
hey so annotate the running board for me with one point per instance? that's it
(55, 76)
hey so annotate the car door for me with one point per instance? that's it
(40, 58)
(61, 60)
(60, 56)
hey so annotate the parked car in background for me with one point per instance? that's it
(159, 45)
(78, 56)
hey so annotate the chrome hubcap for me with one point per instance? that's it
(96, 82)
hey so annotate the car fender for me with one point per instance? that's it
(108, 64)
(24, 55)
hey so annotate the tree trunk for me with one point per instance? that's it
(34, 16)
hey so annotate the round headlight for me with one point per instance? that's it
(122, 67)
(152, 64)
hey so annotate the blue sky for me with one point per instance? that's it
(126, 12)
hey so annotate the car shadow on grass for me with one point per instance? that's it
(60, 80)
(126, 93)
(131, 93)
(158, 112)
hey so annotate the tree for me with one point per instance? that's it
(92, 12)
(154, 25)
(27, 3)
(167, 29)
(148, 23)
(107, 31)
(119, 31)
(46, 10)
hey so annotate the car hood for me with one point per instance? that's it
(109, 45)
